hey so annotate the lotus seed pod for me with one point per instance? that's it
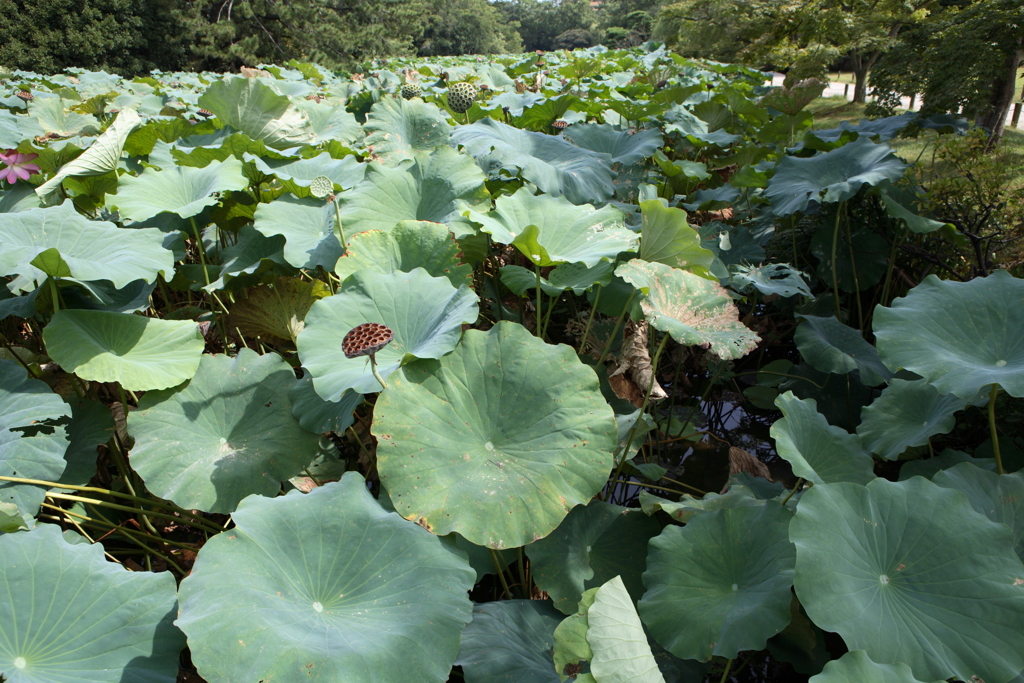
(461, 96)
(366, 340)
(321, 186)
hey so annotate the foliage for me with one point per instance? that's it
(542, 21)
(571, 277)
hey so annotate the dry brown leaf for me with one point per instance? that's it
(742, 461)
(254, 73)
(633, 372)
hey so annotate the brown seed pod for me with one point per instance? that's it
(25, 95)
(560, 124)
(366, 340)
(205, 112)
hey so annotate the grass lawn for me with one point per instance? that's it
(847, 77)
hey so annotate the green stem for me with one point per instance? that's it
(54, 295)
(122, 508)
(539, 294)
(501, 574)
(340, 231)
(796, 487)
(853, 271)
(376, 375)
(7, 345)
(201, 250)
(547, 316)
(890, 269)
(725, 674)
(128, 535)
(590, 321)
(103, 524)
(522, 575)
(835, 267)
(992, 428)
(615, 331)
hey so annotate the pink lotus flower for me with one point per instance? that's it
(17, 166)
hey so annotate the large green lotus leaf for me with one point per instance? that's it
(721, 583)
(694, 310)
(510, 641)
(317, 415)
(568, 233)
(297, 174)
(667, 238)
(498, 440)
(830, 346)
(960, 336)
(998, 497)
(556, 166)
(617, 639)
(396, 128)
(929, 467)
(624, 147)
(409, 245)
(856, 667)
(308, 228)
(688, 506)
(141, 353)
(102, 156)
(252, 253)
(908, 572)
(32, 438)
(906, 414)
(592, 545)
(895, 208)
(575, 276)
(92, 424)
(324, 586)
(330, 124)
(436, 187)
(832, 176)
(92, 250)
(819, 452)
(182, 190)
(425, 314)
(226, 434)
(49, 112)
(69, 616)
(251, 107)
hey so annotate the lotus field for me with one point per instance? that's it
(401, 375)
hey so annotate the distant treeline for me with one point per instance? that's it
(136, 36)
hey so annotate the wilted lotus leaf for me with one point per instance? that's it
(69, 616)
(276, 311)
(244, 440)
(961, 337)
(908, 572)
(498, 440)
(695, 311)
(720, 584)
(325, 586)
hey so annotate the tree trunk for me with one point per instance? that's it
(1001, 98)
(860, 73)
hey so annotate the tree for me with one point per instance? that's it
(541, 21)
(459, 27)
(964, 59)
(634, 18)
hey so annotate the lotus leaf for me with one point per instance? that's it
(92, 424)
(425, 314)
(554, 165)
(396, 128)
(830, 346)
(32, 438)
(667, 238)
(617, 639)
(510, 642)
(497, 440)
(998, 497)
(832, 176)
(895, 208)
(624, 147)
(688, 506)
(862, 259)
(360, 595)
(140, 353)
(317, 415)
(694, 310)
(565, 232)
(960, 337)
(72, 617)
(409, 245)
(908, 413)
(226, 434)
(908, 572)
(575, 276)
(331, 124)
(818, 451)
(91, 250)
(929, 467)
(772, 278)
(52, 117)
(299, 173)
(436, 187)
(856, 667)
(277, 311)
(101, 157)
(592, 545)
(181, 190)
(720, 584)
(308, 226)
(571, 646)
(251, 107)
(252, 253)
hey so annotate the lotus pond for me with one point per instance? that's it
(651, 383)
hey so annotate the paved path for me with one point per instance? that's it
(834, 89)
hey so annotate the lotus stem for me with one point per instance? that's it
(201, 250)
(104, 524)
(547, 316)
(835, 268)
(539, 332)
(341, 230)
(590, 321)
(123, 508)
(992, 428)
(615, 331)
(54, 294)
(501, 574)
(725, 674)
(796, 487)
(376, 375)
